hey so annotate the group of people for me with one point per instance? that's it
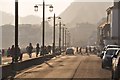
(15, 53)
(39, 50)
(86, 50)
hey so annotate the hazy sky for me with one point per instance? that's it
(26, 7)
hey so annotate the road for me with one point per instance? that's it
(68, 67)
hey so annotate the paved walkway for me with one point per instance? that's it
(7, 60)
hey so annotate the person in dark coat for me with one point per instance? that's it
(12, 53)
(20, 54)
(37, 49)
(80, 50)
(90, 49)
(8, 52)
(77, 50)
(30, 48)
(49, 49)
(87, 51)
(17, 53)
(45, 50)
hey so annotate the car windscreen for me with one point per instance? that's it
(113, 47)
(110, 52)
(69, 49)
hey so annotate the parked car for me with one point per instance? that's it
(105, 48)
(70, 51)
(107, 57)
(111, 46)
(116, 66)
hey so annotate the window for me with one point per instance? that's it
(111, 52)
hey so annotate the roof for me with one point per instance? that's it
(113, 49)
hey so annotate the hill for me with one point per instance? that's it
(80, 12)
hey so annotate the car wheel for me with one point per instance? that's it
(115, 75)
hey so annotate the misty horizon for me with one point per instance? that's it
(79, 17)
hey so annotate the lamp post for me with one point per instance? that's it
(65, 37)
(54, 17)
(16, 29)
(63, 34)
(36, 9)
(60, 27)
(60, 37)
(69, 39)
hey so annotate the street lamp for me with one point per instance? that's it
(16, 29)
(59, 18)
(63, 31)
(60, 26)
(60, 37)
(36, 9)
(69, 39)
(67, 33)
(65, 37)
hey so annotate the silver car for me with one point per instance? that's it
(107, 57)
(116, 66)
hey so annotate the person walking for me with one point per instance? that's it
(17, 53)
(37, 49)
(49, 49)
(12, 53)
(90, 49)
(80, 50)
(30, 48)
(77, 50)
(20, 54)
(87, 51)
(41, 51)
(8, 52)
(45, 50)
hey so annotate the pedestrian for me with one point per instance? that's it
(41, 51)
(8, 52)
(12, 53)
(94, 50)
(37, 49)
(80, 50)
(17, 53)
(45, 50)
(87, 51)
(3, 52)
(30, 48)
(21, 56)
(49, 49)
(77, 50)
(90, 49)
